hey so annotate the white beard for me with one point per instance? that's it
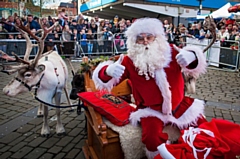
(148, 58)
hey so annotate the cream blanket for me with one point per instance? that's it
(130, 138)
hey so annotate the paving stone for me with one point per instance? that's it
(80, 117)
(68, 147)
(46, 156)
(36, 121)
(80, 144)
(236, 118)
(3, 111)
(209, 114)
(13, 107)
(72, 124)
(5, 148)
(36, 142)
(31, 137)
(227, 116)
(80, 155)
(18, 146)
(209, 118)
(5, 155)
(60, 156)
(64, 141)
(72, 153)
(22, 152)
(77, 138)
(55, 149)
(50, 142)
(66, 120)
(9, 138)
(2, 145)
(82, 125)
(36, 153)
(25, 128)
(16, 141)
(75, 132)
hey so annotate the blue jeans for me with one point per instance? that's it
(90, 47)
(3, 48)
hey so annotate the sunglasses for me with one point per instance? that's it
(141, 38)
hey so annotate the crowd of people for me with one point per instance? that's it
(94, 36)
(227, 32)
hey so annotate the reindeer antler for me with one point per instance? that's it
(40, 40)
(45, 32)
(211, 26)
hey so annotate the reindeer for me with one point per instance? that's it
(48, 72)
(190, 81)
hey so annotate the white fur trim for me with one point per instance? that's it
(202, 64)
(130, 139)
(163, 85)
(99, 83)
(164, 153)
(189, 117)
(145, 25)
(151, 154)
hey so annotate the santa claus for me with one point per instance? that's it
(155, 69)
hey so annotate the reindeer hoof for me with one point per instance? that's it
(61, 134)
(71, 110)
(45, 135)
(40, 115)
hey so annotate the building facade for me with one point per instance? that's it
(162, 9)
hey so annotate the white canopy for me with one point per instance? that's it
(220, 13)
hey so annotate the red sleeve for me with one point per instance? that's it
(103, 76)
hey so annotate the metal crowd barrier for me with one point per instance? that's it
(222, 57)
(219, 56)
(98, 46)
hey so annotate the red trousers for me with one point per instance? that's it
(152, 135)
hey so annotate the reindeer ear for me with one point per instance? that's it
(40, 68)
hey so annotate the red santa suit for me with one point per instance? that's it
(162, 93)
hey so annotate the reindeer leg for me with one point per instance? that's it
(59, 127)
(68, 99)
(45, 128)
(40, 110)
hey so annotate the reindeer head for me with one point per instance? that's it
(29, 72)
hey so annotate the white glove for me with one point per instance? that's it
(184, 57)
(116, 70)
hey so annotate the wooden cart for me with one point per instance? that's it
(102, 142)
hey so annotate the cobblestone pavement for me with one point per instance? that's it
(20, 128)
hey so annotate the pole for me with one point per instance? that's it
(18, 7)
(40, 8)
(200, 6)
(178, 18)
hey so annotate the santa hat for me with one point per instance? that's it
(145, 25)
(229, 21)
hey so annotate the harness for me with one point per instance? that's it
(37, 85)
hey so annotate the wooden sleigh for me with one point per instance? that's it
(102, 142)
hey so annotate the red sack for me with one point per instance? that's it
(115, 109)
